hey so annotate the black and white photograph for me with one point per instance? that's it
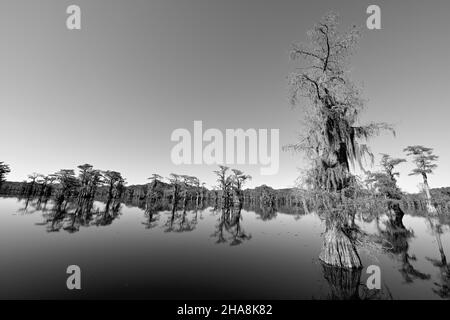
(224, 150)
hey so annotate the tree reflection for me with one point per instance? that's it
(24, 209)
(179, 220)
(229, 227)
(398, 238)
(185, 224)
(152, 219)
(345, 284)
(111, 212)
(73, 215)
(442, 289)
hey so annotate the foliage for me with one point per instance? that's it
(385, 183)
(115, 183)
(423, 158)
(4, 170)
(331, 136)
(238, 181)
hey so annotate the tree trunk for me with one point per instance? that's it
(437, 235)
(397, 216)
(430, 207)
(305, 207)
(338, 250)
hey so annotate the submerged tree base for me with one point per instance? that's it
(339, 251)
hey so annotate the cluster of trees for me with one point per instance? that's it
(229, 198)
(384, 183)
(90, 183)
(334, 143)
(74, 197)
(185, 188)
(66, 186)
(185, 192)
(231, 186)
(4, 170)
(74, 194)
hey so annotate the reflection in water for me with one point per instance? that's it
(271, 232)
(442, 289)
(180, 222)
(397, 236)
(344, 283)
(152, 219)
(109, 214)
(70, 216)
(229, 228)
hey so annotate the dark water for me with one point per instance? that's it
(274, 256)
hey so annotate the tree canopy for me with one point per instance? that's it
(4, 170)
(331, 135)
(423, 158)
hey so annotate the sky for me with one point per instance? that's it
(112, 93)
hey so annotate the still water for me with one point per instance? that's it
(270, 256)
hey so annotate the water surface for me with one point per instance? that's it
(130, 255)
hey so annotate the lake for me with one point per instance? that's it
(266, 256)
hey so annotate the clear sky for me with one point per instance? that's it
(112, 93)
